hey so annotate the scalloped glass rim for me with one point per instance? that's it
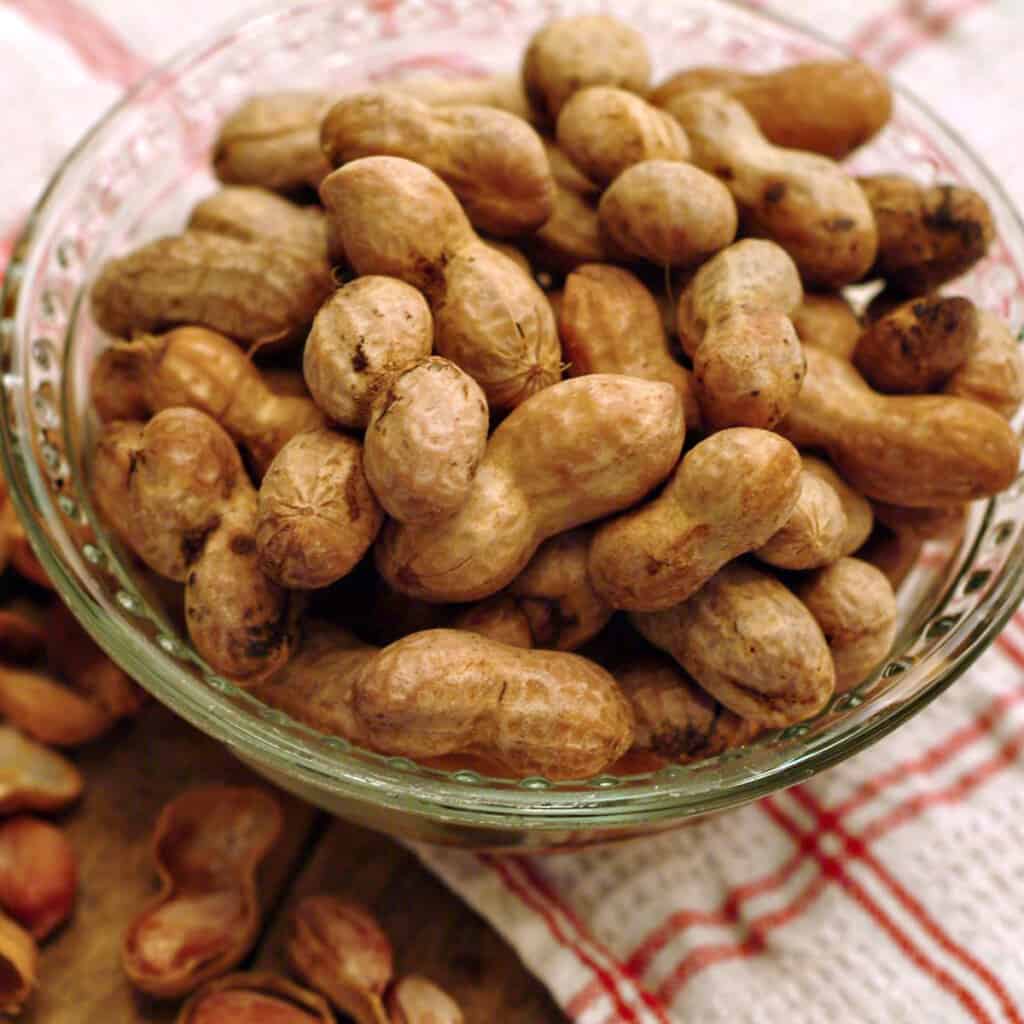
(307, 760)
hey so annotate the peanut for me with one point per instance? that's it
(917, 450)
(571, 236)
(750, 643)
(918, 346)
(49, 712)
(893, 553)
(22, 633)
(416, 1000)
(500, 617)
(610, 323)
(675, 718)
(317, 515)
(252, 291)
(32, 777)
(338, 949)
(569, 54)
(491, 319)
(38, 875)
(923, 523)
(993, 372)
(608, 440)
(177, 493)
(426, 437)
(445, 691)
(813, 534)
(254, 998)
(19, 966)
(825, 319)
(857, 509)
(604, 130)
(926, 235)
(729, 495)
(668, 213)
(199, 368)
(253, 214)
(207, 845)
(117, 387)
(566, 174)
(492, 160)
(734, 322)
(502, 91)
(829, 106)
(363, 335)
(273, 140)
(855, 606)
(804, 202)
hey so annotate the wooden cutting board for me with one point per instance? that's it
(131, 774)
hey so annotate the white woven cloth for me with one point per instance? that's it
(890, 889)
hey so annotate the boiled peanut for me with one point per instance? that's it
(317, 514)
(502, 91)
(750, 643)
(926, 235)
(608, 440)
(825, 319)
(804, 202)
(571, 236)
(857, 510)
(492, 160)
(604, 130)
(729, 495)
(610, 323)
(916, 450)
(491, 319)
(668, 213)
(252, 291)
(734, 321)
(254, 997)
(569, 54)
(993, 372)
(829, 106)
(855, 606)
(918, 346)
(499, 617)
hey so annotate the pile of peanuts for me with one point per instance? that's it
(57, 690)
(557, 363)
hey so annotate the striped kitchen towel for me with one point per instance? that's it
(889, 889)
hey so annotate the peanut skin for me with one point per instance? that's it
(492, 160)
(829, 107)
(804, 202)
(199, 368)
(668, 213)
(855, 606)
(915, 450)
(426, 437)
(273, 140)
(317, 514)
(253, 291)
(826, 319)
(362, 336)
(918, 346)
(734, 321)
(491, 319)
(444, 691)
(675, 718)
(730, 494)
(254, 997)
(926, 235)
(993, 372)
(608, 440)
(750, 643)
(610, 323)
(604, 130)
(569, 54)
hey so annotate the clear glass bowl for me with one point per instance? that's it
(136, 174)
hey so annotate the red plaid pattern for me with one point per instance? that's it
(888, 889)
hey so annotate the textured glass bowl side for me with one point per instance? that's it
(136, 175)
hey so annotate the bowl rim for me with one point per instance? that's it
(450, 800)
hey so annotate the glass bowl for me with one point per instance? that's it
(136, 174)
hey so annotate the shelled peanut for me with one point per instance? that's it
(457, 501)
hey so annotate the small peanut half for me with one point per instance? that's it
(33, 777)
(255, 997)
(38, 875)
(416, 1000)
(729, 494)
(750, 643)
(339, 950)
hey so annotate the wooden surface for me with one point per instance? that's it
(133, 773)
